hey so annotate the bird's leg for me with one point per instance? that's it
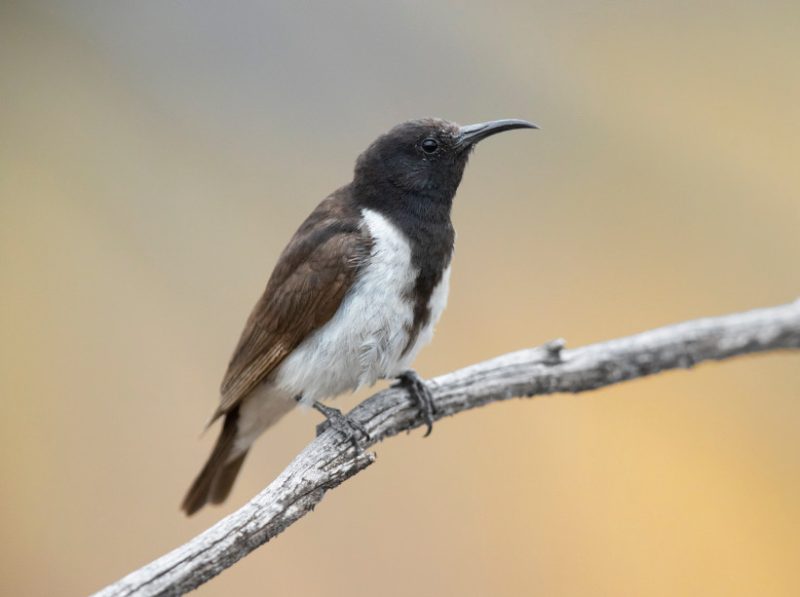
(420, 393)
(346, 426)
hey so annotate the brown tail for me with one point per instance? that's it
(215, 481)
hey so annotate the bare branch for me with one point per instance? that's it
(328, 461)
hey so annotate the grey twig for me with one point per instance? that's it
(328, 461)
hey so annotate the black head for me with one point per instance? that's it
(418, 164)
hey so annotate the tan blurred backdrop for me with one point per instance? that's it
(156, 156)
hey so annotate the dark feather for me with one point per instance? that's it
(201, 490)
(223, 482)
(306, 288)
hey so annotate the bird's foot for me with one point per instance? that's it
(420, 393)
(344, 425)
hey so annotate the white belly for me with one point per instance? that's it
(366, 338)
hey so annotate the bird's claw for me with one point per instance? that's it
(421, 394)
(347, 427)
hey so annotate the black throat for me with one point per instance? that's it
(424, 219)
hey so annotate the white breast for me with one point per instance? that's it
(365, 339)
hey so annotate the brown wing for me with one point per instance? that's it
(306, 288)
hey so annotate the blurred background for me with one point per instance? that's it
(156, 156)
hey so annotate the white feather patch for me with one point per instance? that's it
(261, 409)
(364, 340)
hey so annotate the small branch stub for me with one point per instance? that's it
(553, 350)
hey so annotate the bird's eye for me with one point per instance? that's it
(430, 145)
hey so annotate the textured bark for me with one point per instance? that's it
(328, 460)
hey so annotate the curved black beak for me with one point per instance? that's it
(470, 134)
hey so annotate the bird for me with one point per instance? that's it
(353, 297)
